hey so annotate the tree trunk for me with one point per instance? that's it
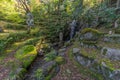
(118, 4)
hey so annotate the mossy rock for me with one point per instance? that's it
(39, 74)
(21, 73)
(26, 55)
(90, 42)
(112, 38)
(90, 30)
(90, 34)
(59, 60)
(18, 74)
(50, 56)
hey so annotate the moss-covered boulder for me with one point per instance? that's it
(90, 34)
(59, 60)
(112, 38)
(96, 62)
(90, 37)
(20, 73)
(48, 66)
(26, 55)
(112, 54)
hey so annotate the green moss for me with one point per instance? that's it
(26, 55)
(48, 77)
(22, 73)
(109, 44)
(50, 56)
(59, 60)
(90, 53)
(89, 42)
(104, 51)
(108, 63)
(83, 70)
(16, 27)
(19, 75)
(90, 30)
(39, 74)
(67, 44)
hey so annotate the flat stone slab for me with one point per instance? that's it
(113, 54)
(76, 50)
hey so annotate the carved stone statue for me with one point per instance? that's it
(116, 23)
(61, 38)
(30, 20)
(72, 28)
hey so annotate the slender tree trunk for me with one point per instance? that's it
(118, 4)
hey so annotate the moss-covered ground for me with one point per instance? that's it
(11, 41)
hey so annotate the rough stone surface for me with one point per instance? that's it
(76, 50)
(115, 75)
(112, 38)
(88, 35)
(113, 54)
(47, 66)
(102, 68)
(62, 50)
(83, 61)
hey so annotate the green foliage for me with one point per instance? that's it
(18, 75)
(50, 56)
(15, 27)
(33, 41)
(9, 13)
(84, 70)
(104, 51)
(26, 55)
(39, 74)
(95, 35)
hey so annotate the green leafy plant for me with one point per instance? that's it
(39, 74)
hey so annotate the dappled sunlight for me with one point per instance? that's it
(13, 31)
(59, 40)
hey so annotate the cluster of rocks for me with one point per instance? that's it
(95, 66)
(89, 38)
(112, 38)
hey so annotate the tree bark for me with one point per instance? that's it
(118, 4)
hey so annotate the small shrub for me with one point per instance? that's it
(39, 74)
(50, 56)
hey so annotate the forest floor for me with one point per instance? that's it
(69, 71)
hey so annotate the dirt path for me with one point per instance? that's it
(39, 61)
(69, 71)
(4, 71)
